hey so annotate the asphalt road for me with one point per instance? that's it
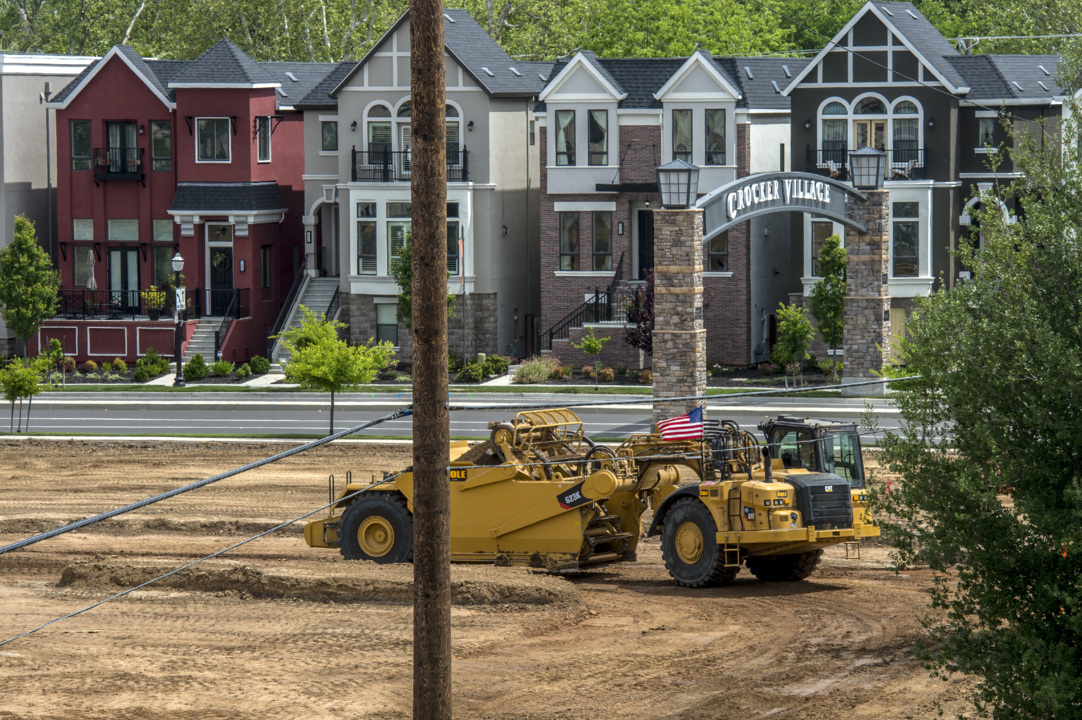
(210, 414)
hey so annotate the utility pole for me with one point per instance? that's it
(431, 430)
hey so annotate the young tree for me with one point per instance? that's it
(990, 491)
(640, 313)
(320, 361)
(592, 346)
(21, 379)
(794, 336)
(402, 272)
(827, 300)
(28, 282)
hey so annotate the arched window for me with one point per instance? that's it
(871, 106)
(452, 131)
(378, 126)
(869, 131)
(905, 132)
(406, 110)
(835, 134)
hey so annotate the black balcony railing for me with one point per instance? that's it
(118, 163)
(83, 304)
(395, 165)
(907, 162)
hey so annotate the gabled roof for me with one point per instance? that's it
(297, 79)
(319, 97)
(916, 33)
(591, 65)
(472, 48)
(224, 65)
(703, 59)
(130, 58)
(763, 79)
(993, 78)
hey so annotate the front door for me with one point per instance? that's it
(646, 243)
(221, 279)
(123, 280)
(870, 133)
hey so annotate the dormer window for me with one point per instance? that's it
(681, 135)
(599, 137)
(565, 137)
(715, 137)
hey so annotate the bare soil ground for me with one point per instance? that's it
(276, 629)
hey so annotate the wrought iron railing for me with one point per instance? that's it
(903, 163)
(609, 306)
(83, 304)
(283, 314)
(395, 165)
(236, 308)
(118, 163)
(333, 305)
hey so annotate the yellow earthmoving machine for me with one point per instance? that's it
(540, 493)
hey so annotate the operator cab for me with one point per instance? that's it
(816, 446)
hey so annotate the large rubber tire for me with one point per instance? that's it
(690, 549)
(784, 568)
(377, 527)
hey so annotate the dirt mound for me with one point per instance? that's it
(354, 582)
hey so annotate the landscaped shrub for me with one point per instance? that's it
(119, 366)
(770, 368)
(141, 373)
(588, 372)
(196, 368)
(244, 371)
(69, 364)
(471, 372)
(259, 365)
(535, 370)
(454, 362)
(646, 377)
(621, 370)
(606, 375)
(89, 367)
(153, 363)
(561, 372)
(496, 365)
(221, 368)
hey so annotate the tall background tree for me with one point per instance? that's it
(28, 282)
(989, 493)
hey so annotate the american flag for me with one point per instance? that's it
(685, 427)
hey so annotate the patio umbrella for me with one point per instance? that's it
(91, 283)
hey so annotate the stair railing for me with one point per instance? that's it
(610, 306)
(238, 307)
(333, 305)
(287, 307)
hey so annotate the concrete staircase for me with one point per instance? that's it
(202, 341)
(315, 296)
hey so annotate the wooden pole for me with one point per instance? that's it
(431, 430)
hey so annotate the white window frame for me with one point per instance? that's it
(262, 125)
(850, 116)
(229, 145)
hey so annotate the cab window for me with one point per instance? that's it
(842, 458)
(796, 449)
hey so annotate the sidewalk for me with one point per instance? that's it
(256, 381)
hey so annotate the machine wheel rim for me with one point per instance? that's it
(375, 536)
(689, 543)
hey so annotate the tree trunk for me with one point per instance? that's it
(29, 407)
(431, 431)
(19, 428)
(332, 413)
(11, 422)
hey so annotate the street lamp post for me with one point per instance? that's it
(178, 335)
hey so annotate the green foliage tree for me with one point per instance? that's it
(22, 379)
(592, 345)
(996, 409)
(28, 282)
(795, 334)
(318, 360)
(827, 300)
(402, 272)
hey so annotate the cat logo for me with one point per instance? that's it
(828, 488)
(458, 475)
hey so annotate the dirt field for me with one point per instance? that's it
(275, 629)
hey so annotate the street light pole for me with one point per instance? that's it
(178, 335)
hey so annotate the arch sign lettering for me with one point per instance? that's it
(766, 193)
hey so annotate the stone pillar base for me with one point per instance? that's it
(876, 390)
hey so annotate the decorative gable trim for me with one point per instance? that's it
(113, 52)
(577, 62)
(893, 29)
(697, 59)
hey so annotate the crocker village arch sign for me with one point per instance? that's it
(766, 193)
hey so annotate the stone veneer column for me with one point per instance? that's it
(867, 302)
(679, 359)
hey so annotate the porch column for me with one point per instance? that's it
(867, 300)
(309, 247)
(679, 359)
